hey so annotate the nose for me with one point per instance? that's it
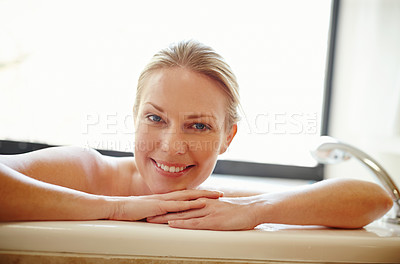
(173, 142)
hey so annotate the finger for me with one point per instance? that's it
(194, 223)
(162, 219)
(188, 195)
(177, 206)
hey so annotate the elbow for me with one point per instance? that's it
(367, 203)
(383, 202)
(388, 202)
(375, 207)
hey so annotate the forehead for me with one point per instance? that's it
(180, 90)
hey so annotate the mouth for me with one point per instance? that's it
(172, 168)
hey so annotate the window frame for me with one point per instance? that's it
(287, 171)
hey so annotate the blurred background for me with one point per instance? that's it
(68, 72)
(69, 68)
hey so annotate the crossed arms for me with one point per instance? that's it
(71, 183)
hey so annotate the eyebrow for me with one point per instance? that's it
(196, 116)
(189, 115)
(156, 107)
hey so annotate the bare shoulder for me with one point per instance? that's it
(70, 155)
(74, 167)
(122, 181)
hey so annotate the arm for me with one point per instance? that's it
(25, 198)
(76, 168)
(67, 183)
(342, 203)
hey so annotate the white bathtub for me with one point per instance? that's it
(140, 242)
(376, 243)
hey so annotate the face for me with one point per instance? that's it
(180, 130)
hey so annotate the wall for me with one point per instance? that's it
(366, 85)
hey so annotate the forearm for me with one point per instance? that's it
(24, 198)
(335, 203)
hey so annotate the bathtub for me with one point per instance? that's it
(141, 242)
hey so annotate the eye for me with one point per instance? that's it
(200, 126)
(154, 118)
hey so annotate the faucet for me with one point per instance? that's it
(330, 151)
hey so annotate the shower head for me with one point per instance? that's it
(330, 151)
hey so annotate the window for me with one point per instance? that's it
(68, 70)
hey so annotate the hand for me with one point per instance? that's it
(139, 207)
(217, 214)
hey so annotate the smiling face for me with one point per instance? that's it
(180, 129)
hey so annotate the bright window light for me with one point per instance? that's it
(68, 69)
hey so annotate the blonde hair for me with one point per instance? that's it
(199, 58)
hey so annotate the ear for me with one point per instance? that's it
(228, 139)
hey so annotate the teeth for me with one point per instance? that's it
(170, 169)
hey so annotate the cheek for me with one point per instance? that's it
(145, 140)
(207, 159)
(206, 147)
(206, 153)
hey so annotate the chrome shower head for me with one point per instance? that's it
(329, 151)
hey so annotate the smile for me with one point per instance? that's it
(171, 168)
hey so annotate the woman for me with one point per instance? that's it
(185, 116)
